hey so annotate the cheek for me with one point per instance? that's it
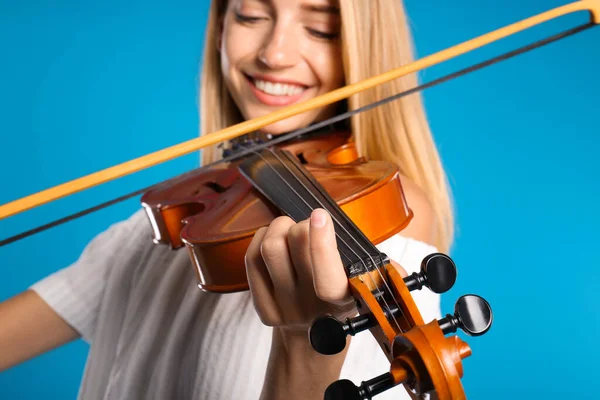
(236, 48)
(329, 68)
(230, 53)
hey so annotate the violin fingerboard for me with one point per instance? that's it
(282, 179)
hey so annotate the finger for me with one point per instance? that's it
(298, 241)
(259, 282)
(331, 282)
(276, 255)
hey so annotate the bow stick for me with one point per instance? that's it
(149, 160)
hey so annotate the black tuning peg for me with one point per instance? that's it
(328, 335)
(438, 273)
(343, 390)
(472, 314)
(346, 390)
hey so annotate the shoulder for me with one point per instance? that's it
(105, 266)
(121, 234)
(422, 225)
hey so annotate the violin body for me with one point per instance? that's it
(214, 212)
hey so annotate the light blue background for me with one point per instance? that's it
(86, 85)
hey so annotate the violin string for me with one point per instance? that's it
(308, 129)
(378, 289)
(336, 234)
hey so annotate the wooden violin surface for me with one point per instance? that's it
(215, 212)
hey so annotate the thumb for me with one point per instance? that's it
(330, 280)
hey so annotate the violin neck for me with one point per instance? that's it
(282, 179)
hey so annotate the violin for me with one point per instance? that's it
(214, 211)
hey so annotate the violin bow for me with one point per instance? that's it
(149, 160)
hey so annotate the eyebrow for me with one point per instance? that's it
(313, 7)
(321, 9)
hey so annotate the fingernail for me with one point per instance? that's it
(317, 218)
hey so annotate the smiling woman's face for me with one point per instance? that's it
(280, 52)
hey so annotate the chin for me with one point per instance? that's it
(285, 126)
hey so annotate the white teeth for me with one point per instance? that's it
(277, 89)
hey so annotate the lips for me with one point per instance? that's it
(273, 92)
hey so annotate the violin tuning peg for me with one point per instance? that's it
(343, 390)
(328, 335)
(438, 273)
(346, 390)
(472, 314)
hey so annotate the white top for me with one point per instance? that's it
(155, 335)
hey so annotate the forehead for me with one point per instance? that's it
(315, 6)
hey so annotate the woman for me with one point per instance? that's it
(153, 334)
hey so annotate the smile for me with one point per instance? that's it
(275, 93)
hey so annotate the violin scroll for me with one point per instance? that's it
(328, 335)
(421, 355)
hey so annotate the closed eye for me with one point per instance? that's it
(322, 35)
(246, 18)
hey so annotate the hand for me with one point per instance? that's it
(296, 274)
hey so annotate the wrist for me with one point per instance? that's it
(293, 348)
(295, 343)
(296, 370)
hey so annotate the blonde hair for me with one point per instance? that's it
(375, 39)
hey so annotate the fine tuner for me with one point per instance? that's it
(472, 314)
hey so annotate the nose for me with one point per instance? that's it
(280, 49)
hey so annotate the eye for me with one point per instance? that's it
(246, 18)
(322, 35)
